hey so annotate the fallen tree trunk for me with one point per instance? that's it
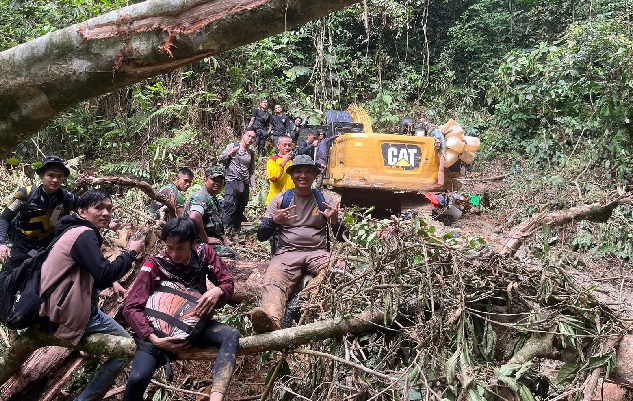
(113, 346)
(128, 183)
(43, 77)
(38, 365)
(594, 212)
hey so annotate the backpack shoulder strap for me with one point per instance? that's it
(318, 195)
(30, 193)
(287, 198)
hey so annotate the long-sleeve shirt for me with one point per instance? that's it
(280, 125)
(73, 301)
(307, 148)
(241, 164)
(278, 177)
(204, 262)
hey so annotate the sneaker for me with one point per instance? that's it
(262, 321)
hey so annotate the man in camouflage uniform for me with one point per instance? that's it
(205, 210)
(174, 192)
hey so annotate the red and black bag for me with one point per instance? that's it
(170, 309)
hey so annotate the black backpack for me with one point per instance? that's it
(20, 297)
(30, 194)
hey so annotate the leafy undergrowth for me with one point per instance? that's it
(455, 315)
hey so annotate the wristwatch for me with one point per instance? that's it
(133, 254)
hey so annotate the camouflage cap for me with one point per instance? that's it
(214, 172)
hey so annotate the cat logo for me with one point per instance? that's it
(404, 156)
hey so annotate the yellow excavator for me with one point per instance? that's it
(389, 171)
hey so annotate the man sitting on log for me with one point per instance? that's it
(186, 264)
(299, 219)
(72, 311)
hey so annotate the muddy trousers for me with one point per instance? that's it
(283, 273)
(216, 334)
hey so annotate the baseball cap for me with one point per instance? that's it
(213, 172)
(49, 161)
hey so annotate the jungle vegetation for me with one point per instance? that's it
(546, 85)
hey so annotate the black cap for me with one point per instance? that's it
(49, 161)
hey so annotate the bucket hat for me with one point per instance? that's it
(49, 161)
(302, 161)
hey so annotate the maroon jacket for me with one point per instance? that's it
(204, 263)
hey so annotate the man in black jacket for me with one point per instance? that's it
(33, 212)
(260, 124)
(71, 311)
(309, 146)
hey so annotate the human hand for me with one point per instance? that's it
(331, 212)
(281, 216)
(207, 301)
(235, 149)
(137, 245)
(5, 252)
(173, 344)
(119, 291)
(214, 241)
(115, 224)
(286, 157)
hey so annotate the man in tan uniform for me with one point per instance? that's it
(301, 247)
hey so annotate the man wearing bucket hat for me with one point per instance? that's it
(205, 210)
(30, 217)
(301, 228)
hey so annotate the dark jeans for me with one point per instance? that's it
(261, 137)
(107, 374)
(216, 334)
(234, 204)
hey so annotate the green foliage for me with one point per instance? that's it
(26, 20)
(561, 99)
(133, 169)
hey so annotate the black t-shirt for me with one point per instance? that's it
(280, 124)
(262, 119)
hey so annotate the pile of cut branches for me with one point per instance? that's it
(460, 322)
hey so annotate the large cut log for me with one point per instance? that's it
(112, 346)
(39, 365)
(594, 212)
(41, 78)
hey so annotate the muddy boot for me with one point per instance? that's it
(262, 321)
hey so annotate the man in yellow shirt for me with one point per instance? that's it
(276, 168)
